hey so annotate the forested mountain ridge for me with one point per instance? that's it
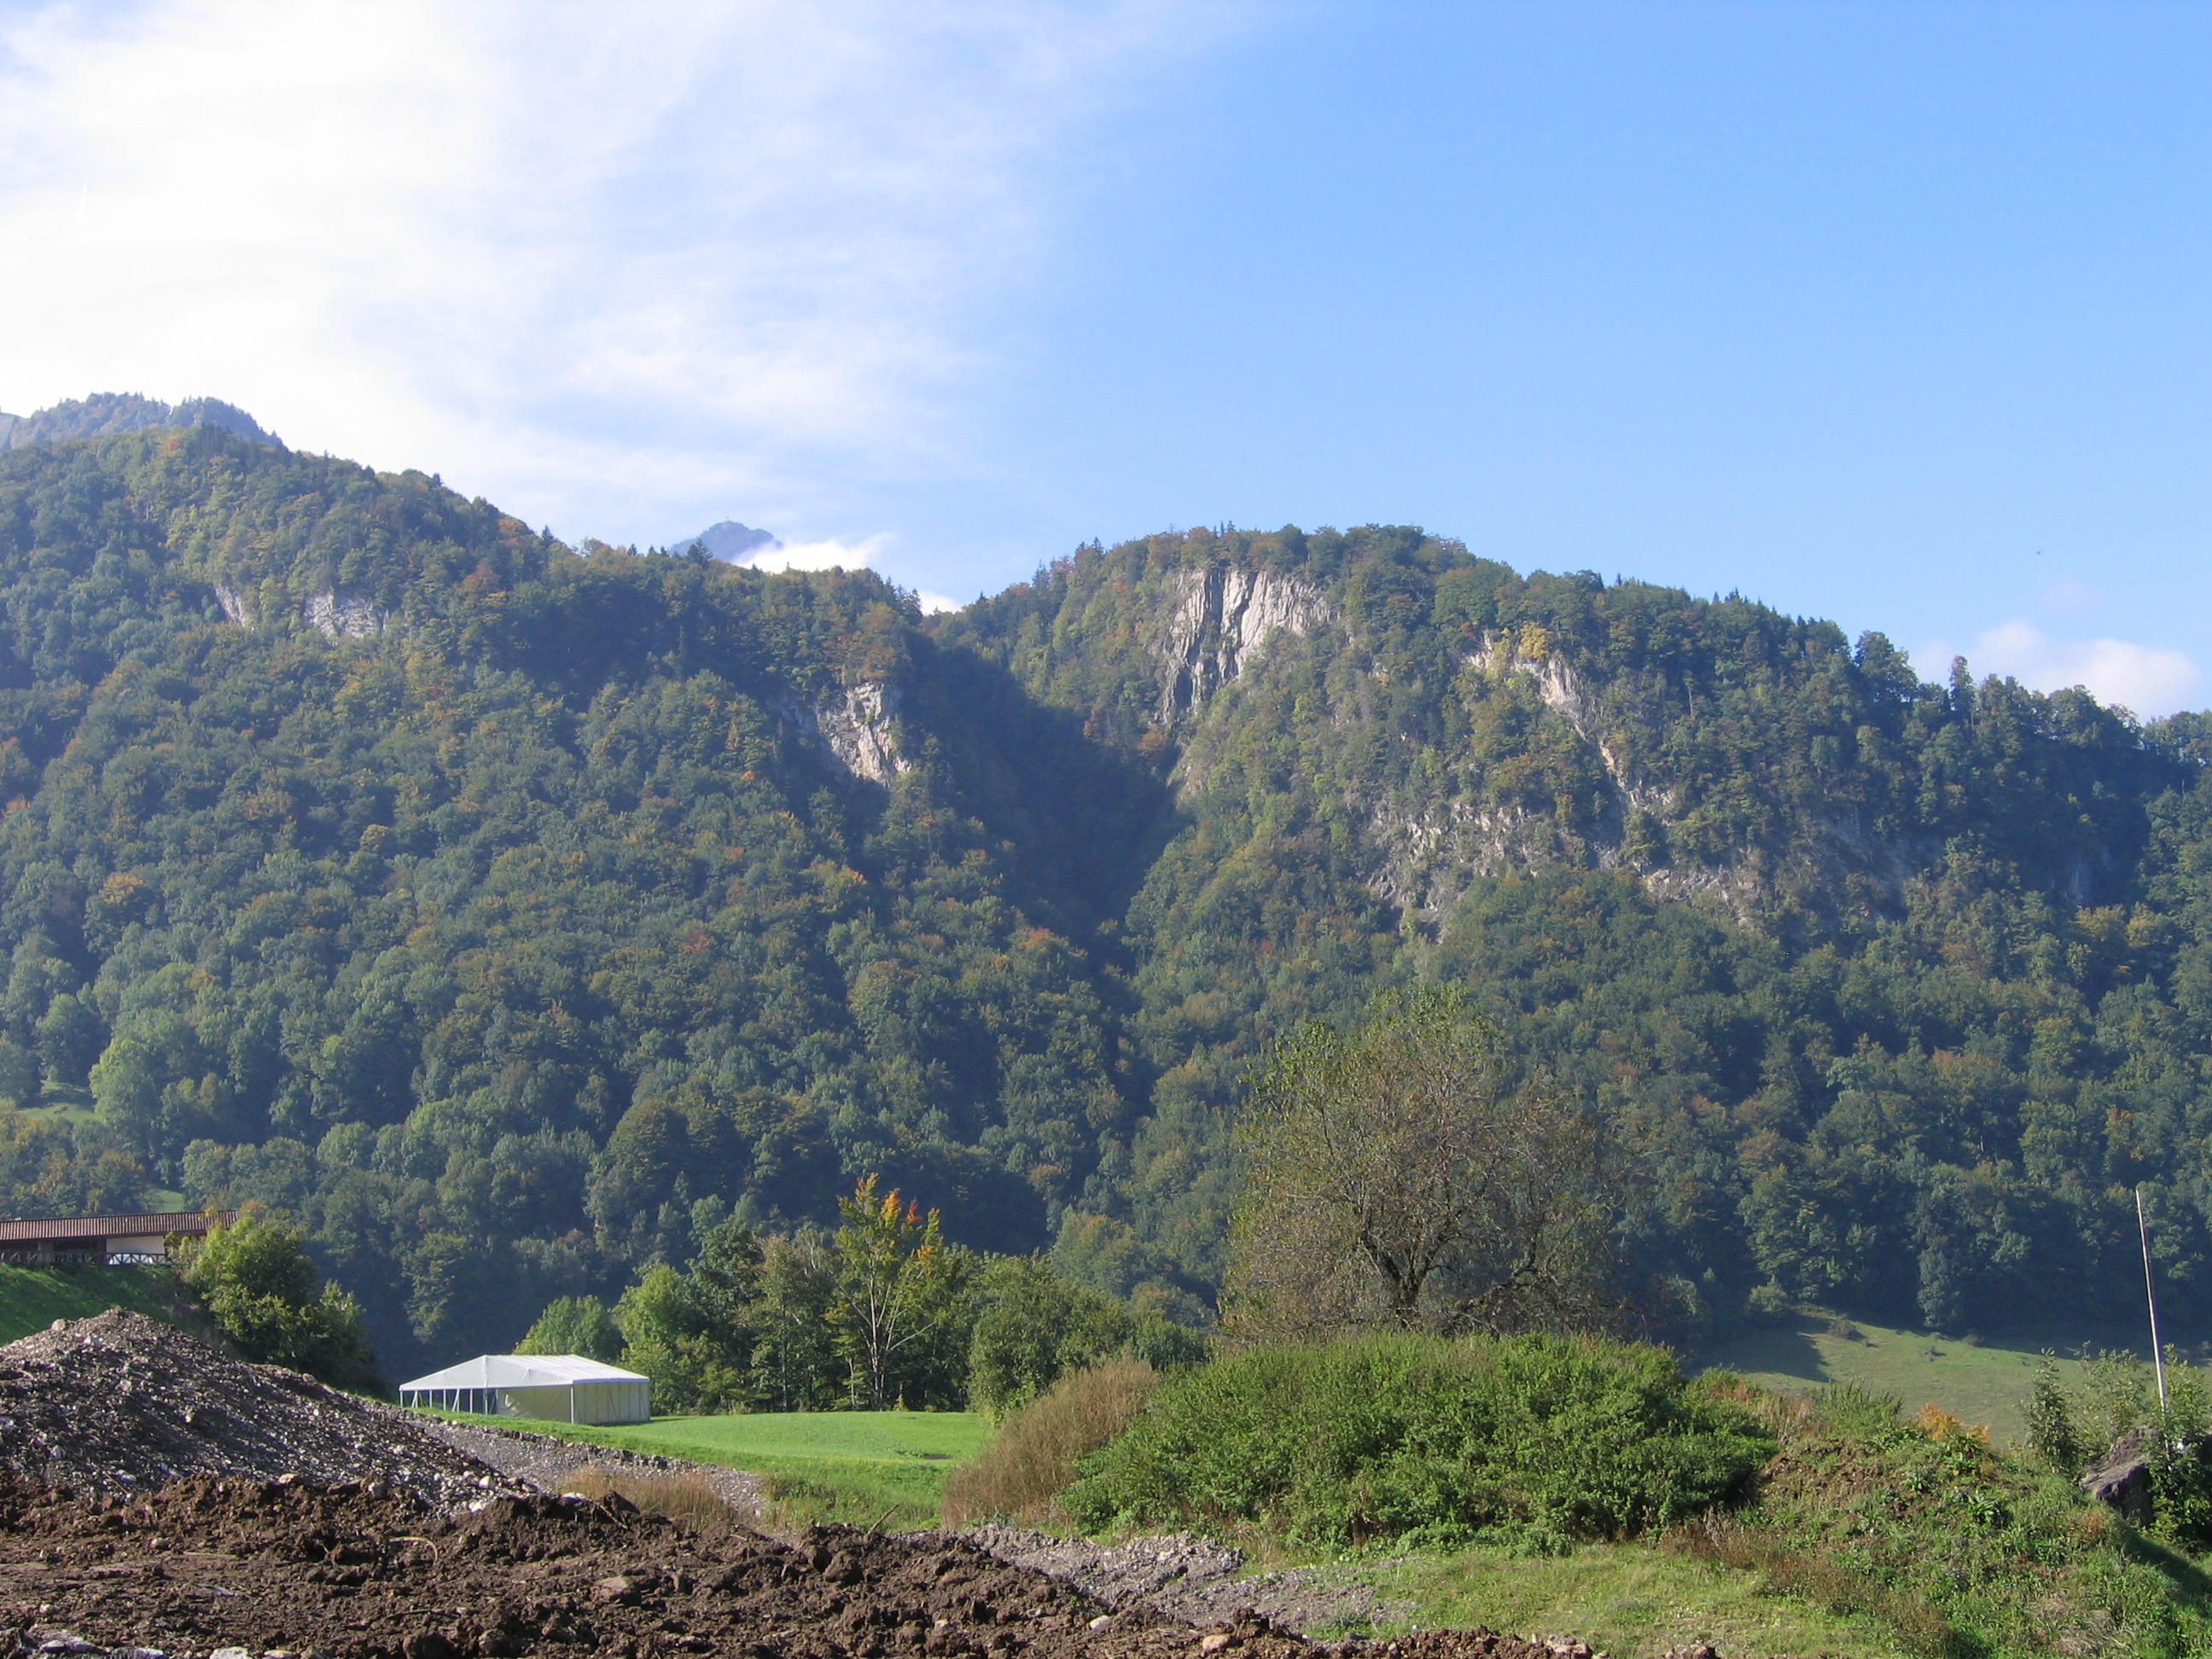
(1934, 992)
(511, 914)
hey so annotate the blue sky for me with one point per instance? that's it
(1893, 313)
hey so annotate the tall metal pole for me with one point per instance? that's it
(2157, 1353)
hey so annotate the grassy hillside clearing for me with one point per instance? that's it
(32, 1298)
(1984, 1382)
(821, 1465)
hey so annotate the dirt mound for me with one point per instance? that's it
(121, 1402)
(1188, 1577)
(287, 1567)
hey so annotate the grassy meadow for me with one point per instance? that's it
(32, 1298)
(852, 1467)
(1984, 1382)
(1619, 1598)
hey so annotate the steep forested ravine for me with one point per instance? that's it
(512, 913)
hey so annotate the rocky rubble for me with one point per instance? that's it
(120, 1402)
(543, 1462)
(1188, 1577)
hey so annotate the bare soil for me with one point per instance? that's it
(544, 1462)
(290, 1567)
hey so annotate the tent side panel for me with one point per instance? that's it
(547, 1405)
(614, 1402)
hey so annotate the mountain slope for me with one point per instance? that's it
(509, 914)
(1897, 983)
(512, 914)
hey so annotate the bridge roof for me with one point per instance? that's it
(147, 1223)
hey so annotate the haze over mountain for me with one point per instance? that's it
(112, 411)
(512, 914)
(729, 539)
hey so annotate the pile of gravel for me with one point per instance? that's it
(1188, 1577)
(120, 1402)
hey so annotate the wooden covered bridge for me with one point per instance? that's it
(103, 1240)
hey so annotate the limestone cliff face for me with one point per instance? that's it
(1221, 618)
(855, 728)
(341, 613)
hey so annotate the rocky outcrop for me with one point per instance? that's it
(2121, 1478)
(856, 728)
(1506, 653)
(341, 613)
(1221, 618)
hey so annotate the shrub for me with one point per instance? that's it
(1528, 1438)
(1965, 1550)
(1032, 1458)
(2069, 1428)
(254, 1277)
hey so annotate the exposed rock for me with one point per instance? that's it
(855, 728)
(1222, 616)
(341, 613)
(2122, 1478)
(730, 540)
(1497, 653)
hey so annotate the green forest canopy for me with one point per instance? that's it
(513, 913)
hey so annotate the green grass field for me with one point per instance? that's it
(1620, 1598)
(32, 1298)
(822, 1466)
(1979, 1382)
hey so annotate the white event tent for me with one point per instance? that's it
(558, 1387)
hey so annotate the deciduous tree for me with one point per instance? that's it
(1403, 1174)
(899, 1300)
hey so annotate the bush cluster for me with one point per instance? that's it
(2115, 1401)
(1529, 1439)
(255, 1278)
(1022, 1470)
(1962, 1548)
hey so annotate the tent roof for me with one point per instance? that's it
(523, 1371)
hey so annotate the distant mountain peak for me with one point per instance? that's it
(105, 413)
(729, 540)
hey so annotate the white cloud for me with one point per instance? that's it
(649, 260)
(818, 556)
(2144, 678)
(837, 555)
